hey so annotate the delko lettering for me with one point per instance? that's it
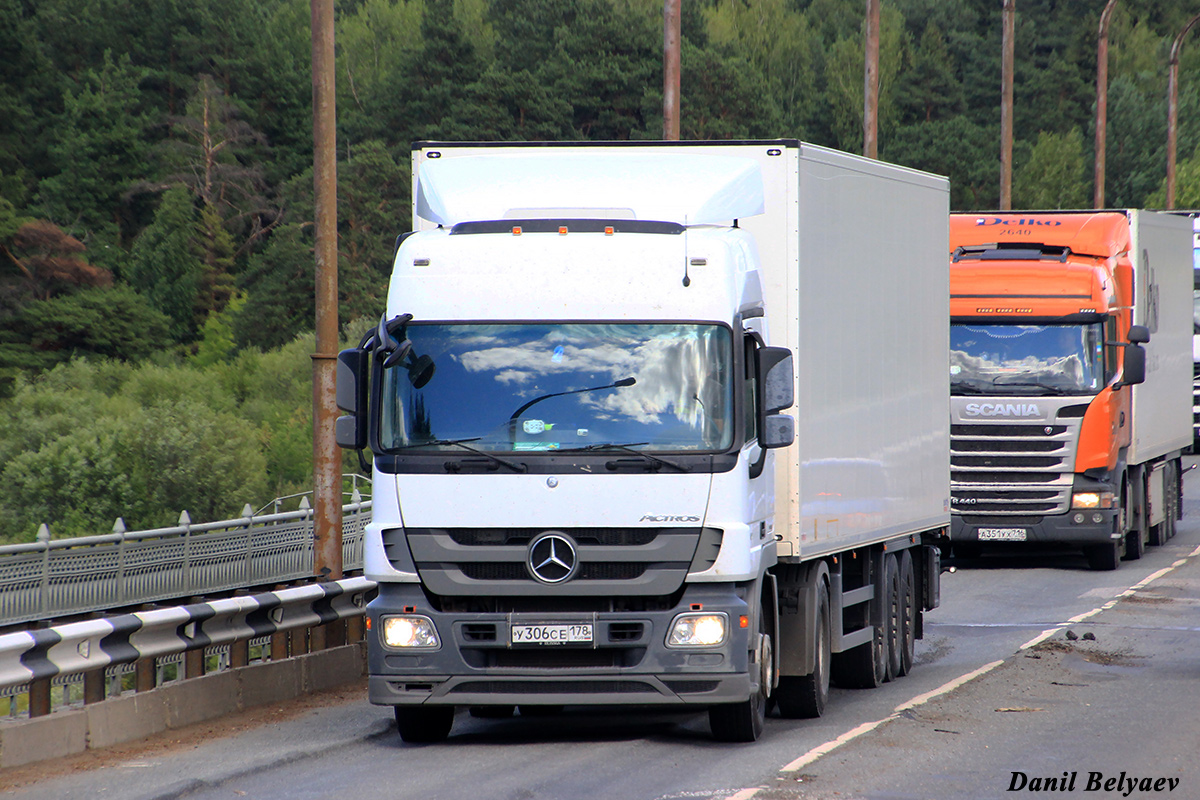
(1045, 223)
(1003, 410)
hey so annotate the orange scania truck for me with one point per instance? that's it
(1070, 379)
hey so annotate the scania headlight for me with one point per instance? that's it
(1092, 500)
(410, 631)
(697, 630)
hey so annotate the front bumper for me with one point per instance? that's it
(1051, 529)
(628, 663)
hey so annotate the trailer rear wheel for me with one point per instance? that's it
(1138, 529)
(908, 613)
(805, 696)
(893, 625)
(864, 666)
(744, 721)
(424, 724)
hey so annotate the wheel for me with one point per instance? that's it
(492, 712)
(908, 613)
(1173, 500)
(1162, 531)
(892, 623)
(864, 666)
(1136, 533)
(805, 696)
(744, 721)
(1103, 556)
(424, 724)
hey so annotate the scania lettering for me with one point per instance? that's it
(1087, 313)
(589, 488)
(1002, 410)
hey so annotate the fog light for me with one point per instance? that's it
(410, 632)
(1078, 518)
(1097, 518)
(1092, 500)
(697, 630)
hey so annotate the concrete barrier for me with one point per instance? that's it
(175, 705)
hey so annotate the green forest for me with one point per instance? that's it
(156, 202)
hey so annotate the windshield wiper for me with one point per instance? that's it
(628, 448)
(515, 467)
(970, 386)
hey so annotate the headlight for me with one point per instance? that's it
(410, 631)
(697, 630)
(1092, 500)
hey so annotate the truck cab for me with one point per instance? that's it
(1067, 348)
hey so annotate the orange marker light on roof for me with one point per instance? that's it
(516, 230)
(562, 230)
(608, 230)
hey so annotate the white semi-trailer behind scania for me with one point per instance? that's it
(585, 492)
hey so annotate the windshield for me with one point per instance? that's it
(556, 386)
(1026, 359)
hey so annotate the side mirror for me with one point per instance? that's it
(778, 379)
(1139, 334)
(779, 430)
(351, 431)
(1134, 371)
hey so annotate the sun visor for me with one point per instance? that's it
(688, 189)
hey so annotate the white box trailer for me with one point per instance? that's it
(646, 527)
(1161, 406)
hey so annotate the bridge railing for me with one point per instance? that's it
(63, 577)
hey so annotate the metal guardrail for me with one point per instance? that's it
(79, 647)
(63, 577)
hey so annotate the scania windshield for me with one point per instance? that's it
(558, 386)
(1026, 359)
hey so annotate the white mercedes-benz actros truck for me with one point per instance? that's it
(586, 490)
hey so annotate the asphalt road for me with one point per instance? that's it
(998, 692)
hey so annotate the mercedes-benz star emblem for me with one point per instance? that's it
(552, 557)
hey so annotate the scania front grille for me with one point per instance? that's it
(1008, 468)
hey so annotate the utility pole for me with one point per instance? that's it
(671, 48)
(1008, 32)
(871, 82)
(1101, 104)
(1173, 109)
(327, 479)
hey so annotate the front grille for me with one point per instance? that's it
(600, 571)
(1011, 468)
(602, 537)
(494, 562)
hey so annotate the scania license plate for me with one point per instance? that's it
(1002, 534)
(573, 633)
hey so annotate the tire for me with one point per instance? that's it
(1138, 532)
(1103, 557)
(908, 613)
(864, 666)
(424, 724)
(744, 721)
(805, 696)
(893, 625)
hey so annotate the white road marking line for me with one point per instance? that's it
(815, 753)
